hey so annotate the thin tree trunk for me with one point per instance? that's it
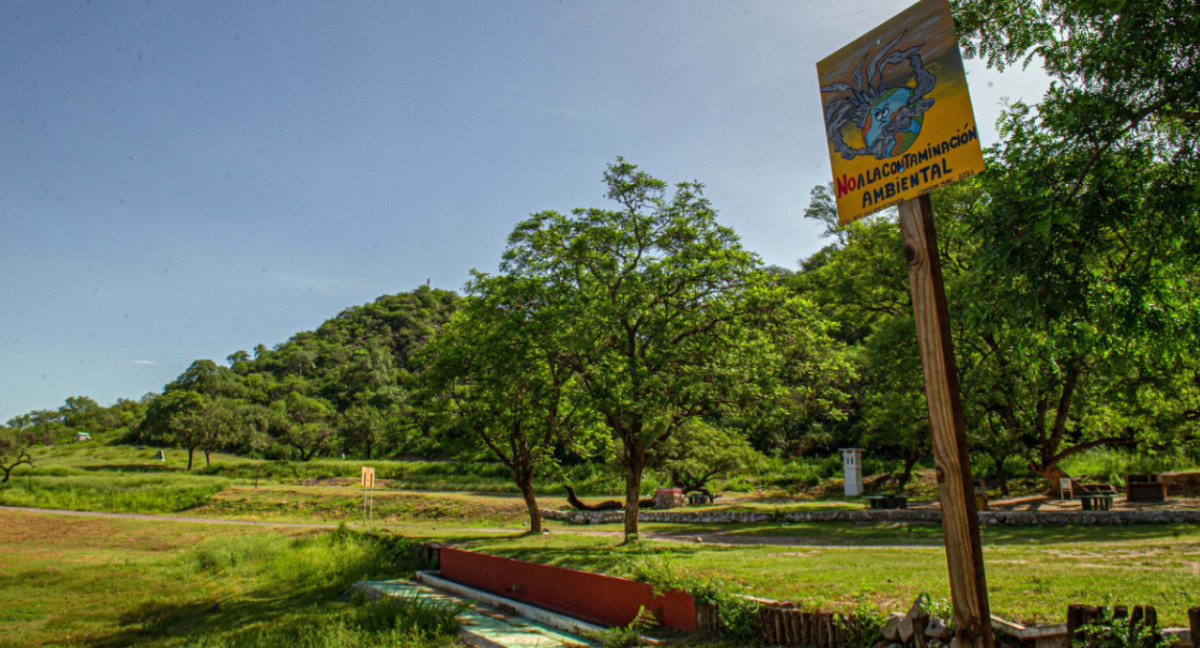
(525, 483)
(635, 462)
(207, 458)
(910, 461)
(1001, 476)
(191, 450)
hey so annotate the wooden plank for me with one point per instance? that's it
(964, 552)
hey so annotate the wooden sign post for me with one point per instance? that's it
(368, 484)
(964, 551)
(899, 124)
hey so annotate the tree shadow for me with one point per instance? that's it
(192, 620)
(135, 468)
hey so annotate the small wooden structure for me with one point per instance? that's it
(1145, 488)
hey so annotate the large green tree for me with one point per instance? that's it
(654, 306)
(492, 372)
(1089, 236)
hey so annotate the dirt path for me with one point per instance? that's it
(688, 537)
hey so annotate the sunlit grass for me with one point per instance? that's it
(92, 582)
(1032, 574)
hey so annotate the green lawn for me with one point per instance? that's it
(1032, 573)
(73, 581)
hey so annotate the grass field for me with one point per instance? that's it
(110, 582)
(94, 582)
(1032, 573)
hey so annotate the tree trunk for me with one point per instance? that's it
(525, 483)
(635, 462)
(910, 460)
(191, 450)
(207, 458)
(1001, 476)
(1051, 473)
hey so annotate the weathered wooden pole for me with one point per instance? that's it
(964, 552)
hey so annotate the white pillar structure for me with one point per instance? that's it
(852, 462)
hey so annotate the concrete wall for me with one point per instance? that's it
(596, 598)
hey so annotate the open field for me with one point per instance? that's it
(61, 574)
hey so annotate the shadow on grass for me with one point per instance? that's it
(131, 468)
(193, 620)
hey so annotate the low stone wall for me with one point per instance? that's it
(988, 518)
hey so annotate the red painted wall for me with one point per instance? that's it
(603, 600)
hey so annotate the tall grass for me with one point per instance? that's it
(334, 560)
(1112, 465)
(317, 568)
(142, 493)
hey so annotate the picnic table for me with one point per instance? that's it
(887, 501)
(1096, 501)
(699, 498)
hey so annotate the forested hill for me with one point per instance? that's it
(340, 388)
(351, 358)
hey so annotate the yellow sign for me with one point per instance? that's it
(368, 477)
(897, 114)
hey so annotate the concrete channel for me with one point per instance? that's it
(490, 621)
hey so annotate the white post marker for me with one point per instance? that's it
(852, 466)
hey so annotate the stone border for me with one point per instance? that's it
(932, 516)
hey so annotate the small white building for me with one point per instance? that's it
(83, 436)
(852, 464)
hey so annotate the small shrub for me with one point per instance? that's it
(737, 615)
(626, 636)
(1109, 632)
(863, 625)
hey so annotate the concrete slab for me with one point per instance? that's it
(484, 625)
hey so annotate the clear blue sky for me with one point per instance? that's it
(180, 180)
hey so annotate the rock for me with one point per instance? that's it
(891, 627)
(953, 643)
(905, 629)
(937, 629)
(917, 618)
